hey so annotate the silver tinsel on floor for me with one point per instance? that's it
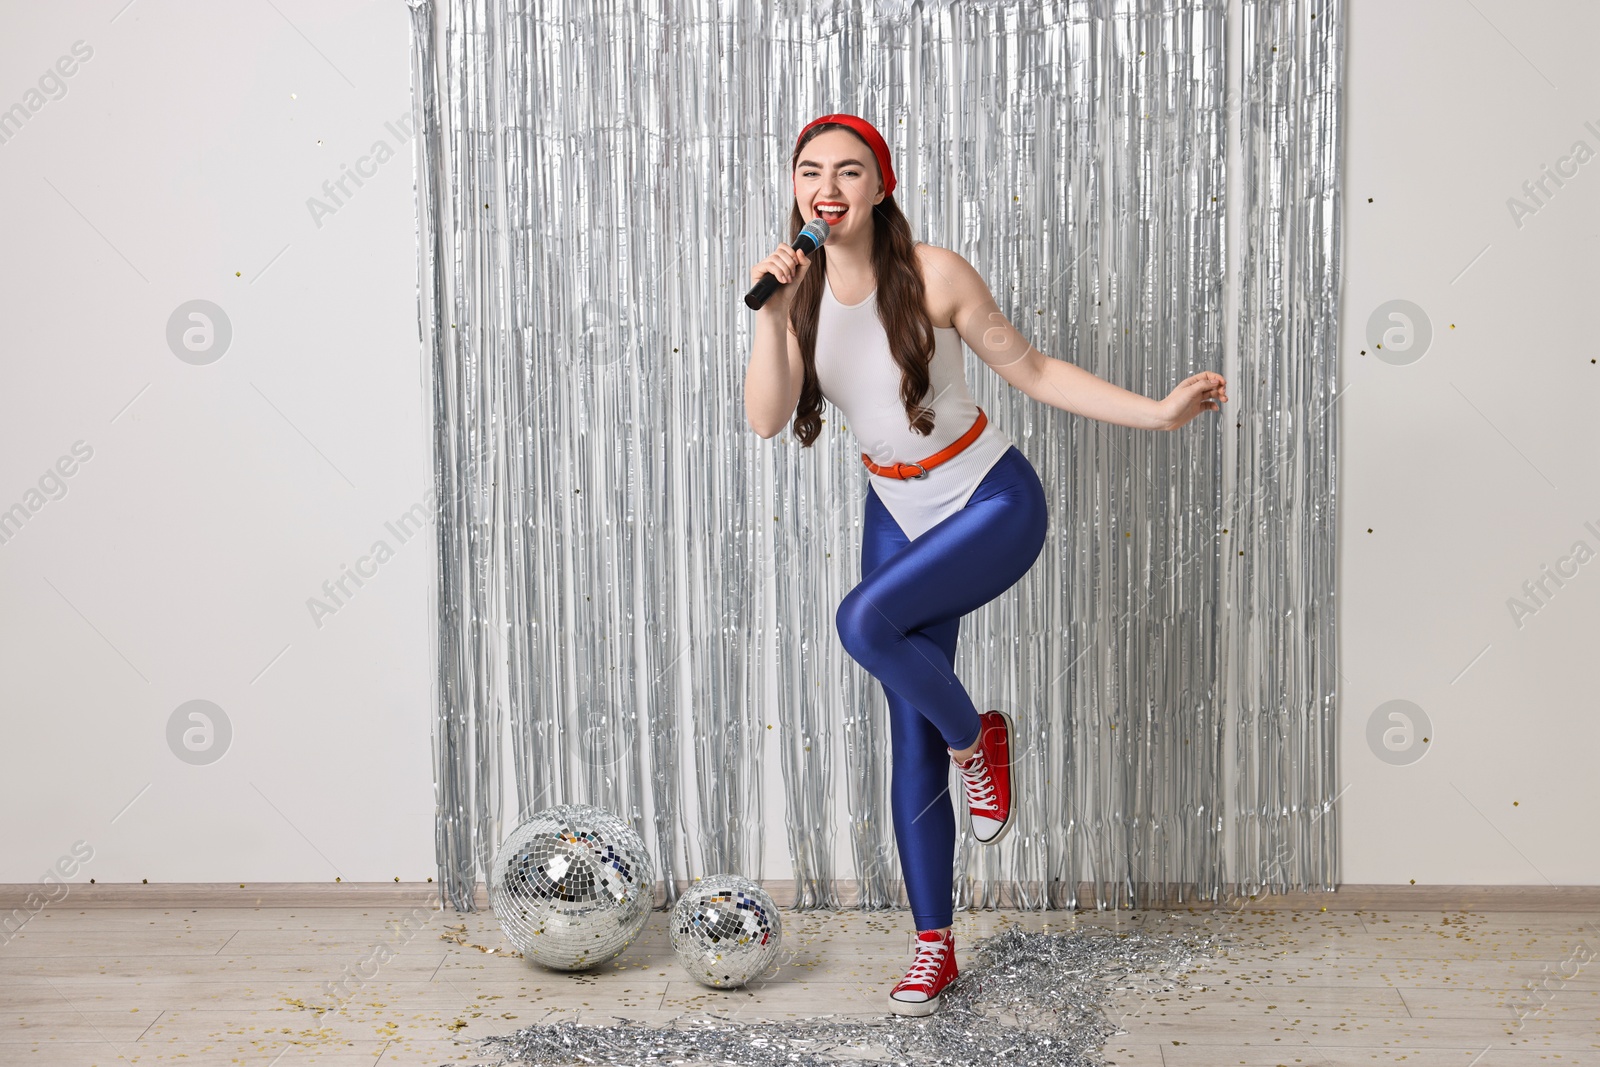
(595, 179)
(1026, 999)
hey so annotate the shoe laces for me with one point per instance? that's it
(930, 959)
(978, 782)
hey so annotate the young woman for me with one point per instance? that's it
(955, 513)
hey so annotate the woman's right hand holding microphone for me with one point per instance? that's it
(786, 264)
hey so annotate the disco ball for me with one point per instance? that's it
(572, 886)
(725, 931)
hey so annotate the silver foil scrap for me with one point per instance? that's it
(1025, 998)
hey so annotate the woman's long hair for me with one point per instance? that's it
(901, 307)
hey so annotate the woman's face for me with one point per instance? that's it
(837, 170)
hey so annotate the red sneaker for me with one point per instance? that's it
(933, 969)
(986, 779)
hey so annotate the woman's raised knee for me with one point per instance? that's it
(863, 630)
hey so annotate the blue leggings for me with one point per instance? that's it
(900, 624)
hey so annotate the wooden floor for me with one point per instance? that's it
(85, 986)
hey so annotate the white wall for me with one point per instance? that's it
(1475, 465)
(220, 497)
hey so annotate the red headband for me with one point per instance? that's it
(868, 133)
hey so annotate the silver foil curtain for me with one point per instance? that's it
(1278, 628)
(637, 594)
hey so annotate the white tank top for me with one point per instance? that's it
(858, 375)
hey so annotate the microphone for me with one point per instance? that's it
(808, 241)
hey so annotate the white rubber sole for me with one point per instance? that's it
(914, 1007)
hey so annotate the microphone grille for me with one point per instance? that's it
(818, 229)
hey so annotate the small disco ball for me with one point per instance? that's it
(726, 931)
(572, 886)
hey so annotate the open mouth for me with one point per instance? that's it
(832, 213)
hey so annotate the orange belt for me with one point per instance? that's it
(920, 469)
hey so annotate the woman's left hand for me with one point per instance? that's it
(1205, 391)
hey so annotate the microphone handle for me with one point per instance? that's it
(761, 291)
(768, 284)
